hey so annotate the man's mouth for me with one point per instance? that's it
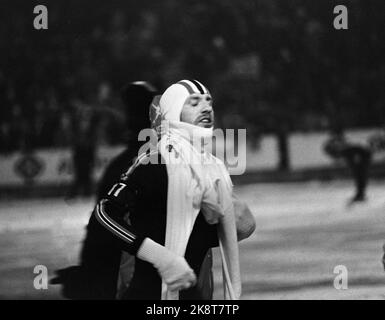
(205, 121)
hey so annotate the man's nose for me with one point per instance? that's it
(207, 107)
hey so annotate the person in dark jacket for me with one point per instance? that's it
(96, 276)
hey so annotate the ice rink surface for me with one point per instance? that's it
(304, 230)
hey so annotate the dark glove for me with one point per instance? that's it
(75, 283)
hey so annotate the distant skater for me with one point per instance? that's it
(357, 157)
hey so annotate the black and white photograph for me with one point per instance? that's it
(203, 150)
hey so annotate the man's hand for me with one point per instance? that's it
(173, 269)
(177, 274)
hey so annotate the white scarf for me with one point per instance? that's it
(196, 180)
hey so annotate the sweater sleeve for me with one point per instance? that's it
(111, 210)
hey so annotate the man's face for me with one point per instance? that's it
(198, 110)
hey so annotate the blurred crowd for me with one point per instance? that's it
(272, 66)
(54, 90)
(49, 121)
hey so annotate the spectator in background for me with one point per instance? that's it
(4, 114)
(357, 157)
(84, 127)
(17, 129)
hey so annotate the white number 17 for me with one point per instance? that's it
(116, 189)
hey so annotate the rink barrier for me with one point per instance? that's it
(54, 167)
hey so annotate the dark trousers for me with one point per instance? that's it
(83, 162)
(359, 163)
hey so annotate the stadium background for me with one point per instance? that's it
(277, 68)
